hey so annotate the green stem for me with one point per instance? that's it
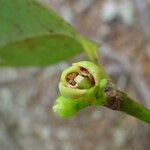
(90, 49)
(118, 100)
(129, 106)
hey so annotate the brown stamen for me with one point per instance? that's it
(71, 77)
(85, 72)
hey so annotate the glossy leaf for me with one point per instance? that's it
(33, 34)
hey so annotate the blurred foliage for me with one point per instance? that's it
(32, 34)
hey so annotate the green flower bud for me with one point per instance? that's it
(68, 107)
(81, 79)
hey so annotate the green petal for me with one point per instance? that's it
(69, 92)
(92, 68)
(67, 71)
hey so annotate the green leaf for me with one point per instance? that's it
(33, 34)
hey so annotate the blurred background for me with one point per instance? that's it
(27, 94)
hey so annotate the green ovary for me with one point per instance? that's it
(83, 82)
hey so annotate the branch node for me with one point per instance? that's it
(113, 97)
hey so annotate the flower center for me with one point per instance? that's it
(71, 77)
(81, 80)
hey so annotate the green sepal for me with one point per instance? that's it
(101, 96)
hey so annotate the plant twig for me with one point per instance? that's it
(125, 66)
(118, 100)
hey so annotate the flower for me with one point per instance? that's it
(80, 79)
(80, 85)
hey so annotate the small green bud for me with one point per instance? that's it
(68, 107)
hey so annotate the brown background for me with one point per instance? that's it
(27, 95)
